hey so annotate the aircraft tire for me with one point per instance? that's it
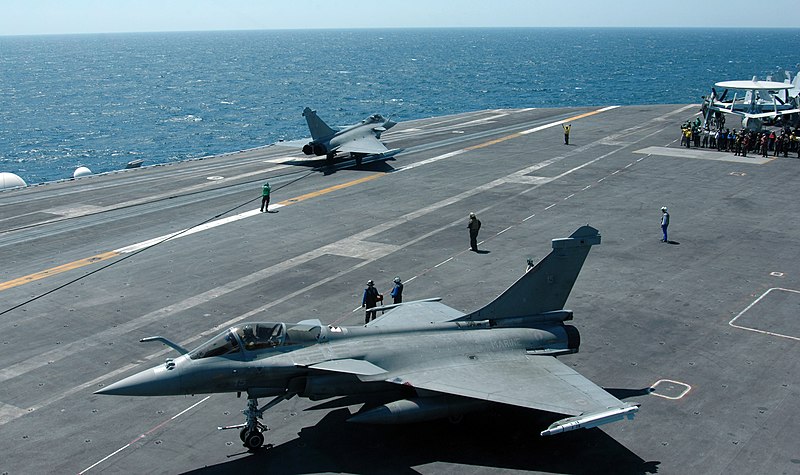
(358, 161)
(243, 434)
(253, 440)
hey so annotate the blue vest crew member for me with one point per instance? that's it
(370, 300)
(397, 291)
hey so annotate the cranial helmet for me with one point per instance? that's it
(663, 208)
(397, 280)
(370, 283)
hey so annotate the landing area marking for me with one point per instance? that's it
(776, 310)
(58, 270)
(142, 436)
(186, 232)
(168, 237)
(702, 154)
(669, 389)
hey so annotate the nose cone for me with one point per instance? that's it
(158, 381)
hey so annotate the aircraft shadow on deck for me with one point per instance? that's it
(504, 437)
(625, 393)
(376, 165)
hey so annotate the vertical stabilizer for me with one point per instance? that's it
(547, 285)
(318, 128)
(795, 90)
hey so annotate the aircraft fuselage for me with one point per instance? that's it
(301, 367)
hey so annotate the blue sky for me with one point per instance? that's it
(22, 17)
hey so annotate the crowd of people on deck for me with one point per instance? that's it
(775, 142)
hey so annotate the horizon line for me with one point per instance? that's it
(222, 30)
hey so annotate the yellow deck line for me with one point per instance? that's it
(495, 141)
(520, 134)
(108, 255)
(325, 191)
(58, 270)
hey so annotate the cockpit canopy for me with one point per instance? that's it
(255, 337)
(374, 118)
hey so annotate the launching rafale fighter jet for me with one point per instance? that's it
(428, 360)
(360, 141)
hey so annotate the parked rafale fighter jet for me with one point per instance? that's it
(360, 141)
(430, 361)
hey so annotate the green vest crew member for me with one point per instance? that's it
(265, 197)
(566, 132)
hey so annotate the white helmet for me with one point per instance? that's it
(397, 280)
(663, 209)
(370, 283)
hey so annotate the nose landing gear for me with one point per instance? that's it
(252, 431)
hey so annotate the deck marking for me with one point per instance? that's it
(429, 160)
(756, 330)
(213, 224)
(550, 206)
(58, 269)
(142, 436)
(703, 154)
(330, 189)
(683, 393)
(177, 234)
(541, 127)
(160, 314)
(443, 262)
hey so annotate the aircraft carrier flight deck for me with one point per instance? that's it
(702, 331)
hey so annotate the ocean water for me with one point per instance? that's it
(101, 101)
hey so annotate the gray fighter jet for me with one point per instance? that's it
(359, 140)
(429, 360)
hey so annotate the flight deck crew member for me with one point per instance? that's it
(474, 226)
(567, 127)
(664, 222)
(370, 300)
(397, 291)
(265, 197)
